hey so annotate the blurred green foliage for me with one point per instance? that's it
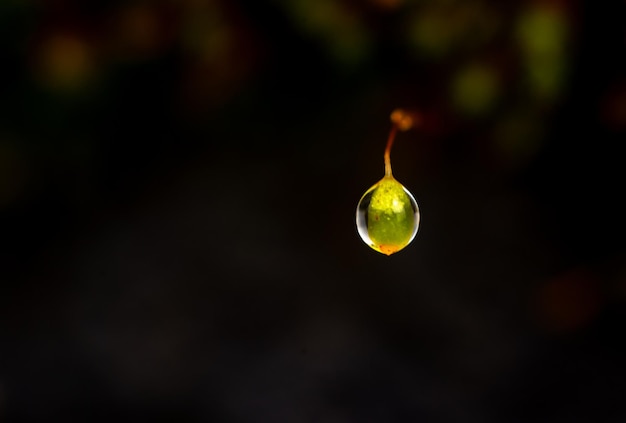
(488, 67)
(542, 34)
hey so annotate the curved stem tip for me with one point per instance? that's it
(400, 120)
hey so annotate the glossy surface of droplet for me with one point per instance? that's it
(387, 216)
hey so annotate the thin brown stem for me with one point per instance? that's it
(392, 136)
(400, 120)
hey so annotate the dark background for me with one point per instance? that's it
(178, 182)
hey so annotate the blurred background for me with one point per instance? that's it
(178, 184)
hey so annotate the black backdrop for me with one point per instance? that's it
(178, 238)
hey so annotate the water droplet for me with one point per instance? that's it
(387, 216)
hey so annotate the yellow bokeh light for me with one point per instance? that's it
(65, 62)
